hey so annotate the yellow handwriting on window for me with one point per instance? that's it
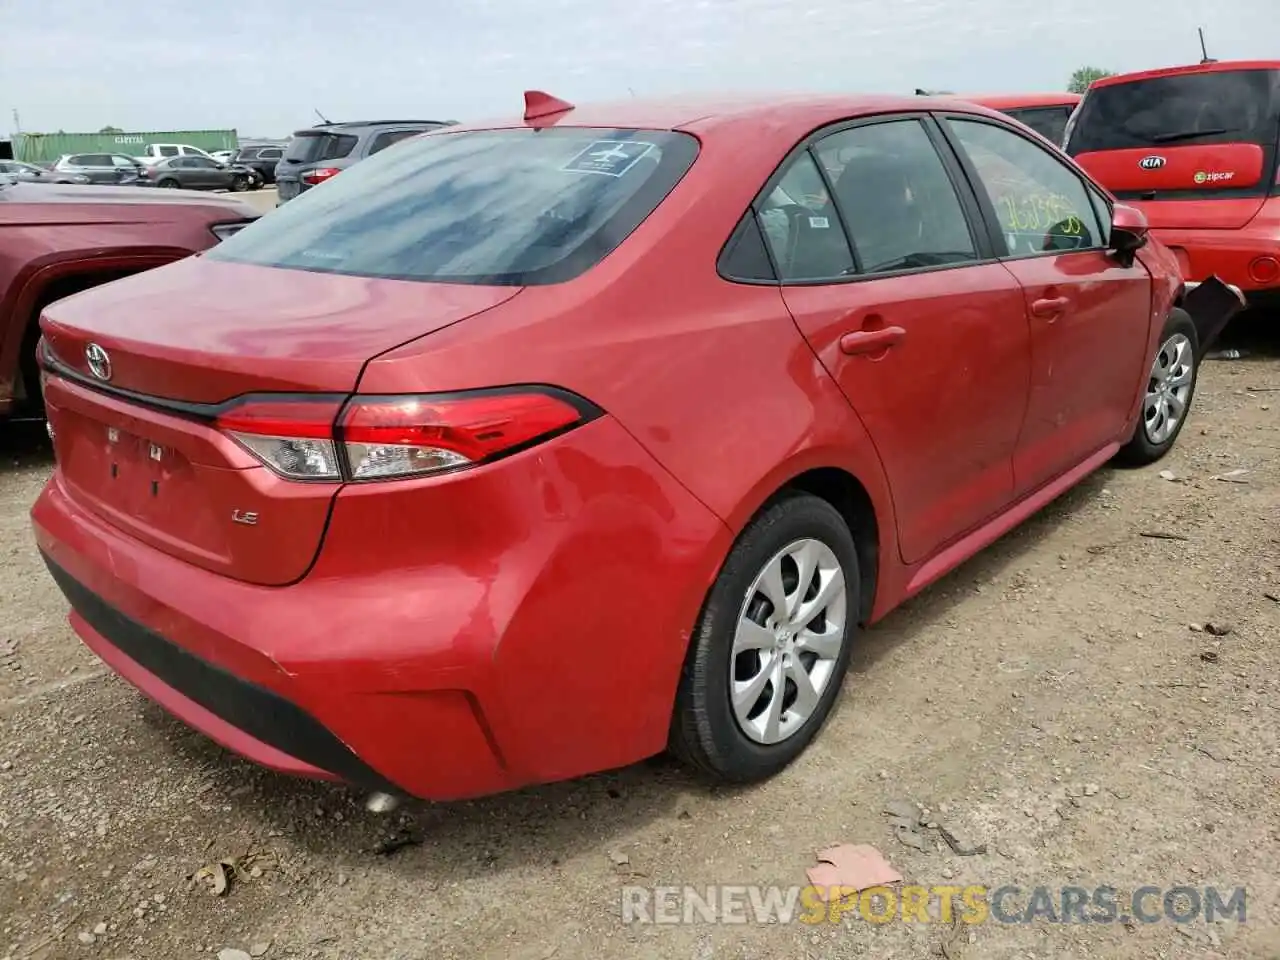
(1041, 213)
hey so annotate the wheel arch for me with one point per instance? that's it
(849, 496)
(857, 488)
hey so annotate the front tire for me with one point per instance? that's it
(240, 184)
(168, 183)
(1170, 389)
(772, 644)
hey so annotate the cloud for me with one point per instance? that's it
(263, 68)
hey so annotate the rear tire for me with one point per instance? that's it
(1169, 392)
(744, 642)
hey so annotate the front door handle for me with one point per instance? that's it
(1049, 307)
(871, 341)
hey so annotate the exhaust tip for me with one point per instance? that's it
(381, 802)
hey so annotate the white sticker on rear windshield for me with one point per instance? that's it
(612, 158)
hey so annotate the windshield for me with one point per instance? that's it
(512, 206)
(1229, 106)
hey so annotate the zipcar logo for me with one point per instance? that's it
(1151, 163)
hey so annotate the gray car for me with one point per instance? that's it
(102, 167)
(30, 173)
(198, 173)
(318, 153)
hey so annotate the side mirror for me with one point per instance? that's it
(1128, 232)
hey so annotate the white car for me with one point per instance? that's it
(155, 152)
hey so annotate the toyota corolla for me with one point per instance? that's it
(529, 449)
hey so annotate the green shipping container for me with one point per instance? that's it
(47, 147)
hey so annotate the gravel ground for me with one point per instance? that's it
(1057, 698)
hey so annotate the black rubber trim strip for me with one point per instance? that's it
(210, 411)
(192, 411)
(261, 713)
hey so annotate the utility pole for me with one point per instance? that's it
(17, 124)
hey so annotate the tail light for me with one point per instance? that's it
(319, 175)
(391, 437)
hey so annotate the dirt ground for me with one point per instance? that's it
(1057, 698)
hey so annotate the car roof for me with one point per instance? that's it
(1216, 66)
(789, 115)
(1009, 101)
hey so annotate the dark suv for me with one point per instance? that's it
(262, 157)
(318, 153)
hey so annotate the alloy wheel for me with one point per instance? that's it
(1168, 388)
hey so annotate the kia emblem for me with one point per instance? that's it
(1151, 163)
(99, 361)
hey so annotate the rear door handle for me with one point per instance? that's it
(1049, 307)
(871, 341)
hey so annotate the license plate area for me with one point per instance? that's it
(147, 488)
(128, 471)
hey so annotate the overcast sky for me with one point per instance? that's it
(262, 66)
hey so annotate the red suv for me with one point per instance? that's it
(517, 453)
(1196, 149)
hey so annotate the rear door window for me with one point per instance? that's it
(802, 228)
(896, 197)
(317, 146)
(1215, 107)
(513, 206)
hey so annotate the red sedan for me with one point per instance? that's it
(526, 450)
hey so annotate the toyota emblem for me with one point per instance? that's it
(99, 361)
(1151, 163)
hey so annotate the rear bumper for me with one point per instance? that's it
(546, 646)
(1248, 258)
(243, 716)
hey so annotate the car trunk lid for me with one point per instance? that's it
(1163, 182)
(204, 331)
(141, 448)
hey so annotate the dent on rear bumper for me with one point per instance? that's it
(520, 623)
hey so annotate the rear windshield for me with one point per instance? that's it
(1049, 122)
(1236, 106)
(512, 206)
(309, 146)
